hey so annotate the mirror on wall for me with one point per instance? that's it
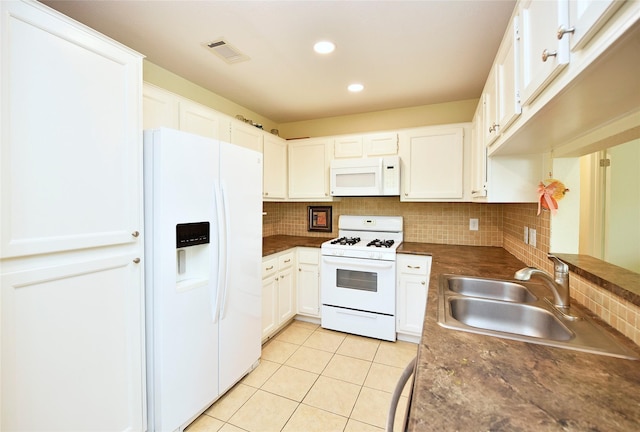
(610, 205)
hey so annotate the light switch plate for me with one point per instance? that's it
(532, 237)
(526, 235)
(473, 224)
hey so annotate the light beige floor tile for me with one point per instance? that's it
(397, 354)
(356, 426)
(228, 427)
(332, 395)
(348, 369)
(277, 351)
(372, 407)
(290, 383)
(204, 423)
(311, 419)
(305, 324)
(295, 334)
(261, 374)
(228, 404)
(264, 412)
(359, 347)
(309, 359)
(324, 341)
(384, 377)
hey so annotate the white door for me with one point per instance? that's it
(72, 351)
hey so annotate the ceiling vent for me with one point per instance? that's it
(226, 51)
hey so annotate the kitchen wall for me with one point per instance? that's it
(500, 225)
(444, 223)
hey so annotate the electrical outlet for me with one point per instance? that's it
(473, 224)
(532, 237)
(526, 235)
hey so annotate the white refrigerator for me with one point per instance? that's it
(203, 249)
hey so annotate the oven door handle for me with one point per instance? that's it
(361, 263)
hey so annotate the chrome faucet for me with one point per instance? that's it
(559, 282)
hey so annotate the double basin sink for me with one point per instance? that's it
(519, 311)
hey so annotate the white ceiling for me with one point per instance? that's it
(406, 53)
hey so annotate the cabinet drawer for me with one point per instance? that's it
(285, 260)
(413, 264)
(269, 266)
(308, 256)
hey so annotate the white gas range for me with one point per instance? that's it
(358, 276)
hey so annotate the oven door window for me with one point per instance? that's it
(358, 280)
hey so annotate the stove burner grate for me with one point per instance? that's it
(349, 241)
(381, 243)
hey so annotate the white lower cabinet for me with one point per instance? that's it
(278, 291)
(309, 281)
(413, 273)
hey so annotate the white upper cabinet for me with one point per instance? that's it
(586, 17)
(432, 163)
(369, 145)
(491, 127)
(309, 161)
(274, 186)
(246, 135)
(381, 144)
(478, 176)
(543, 55)
(199, 120)
(159, 108)
(348, 147)
(507, 68)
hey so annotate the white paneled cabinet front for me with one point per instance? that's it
(411, 296)
(432, 163)
(71, 245)
(274, 186)
(309, 161)
(543, 54)
(586, 17)
(309, 281)
(278, 291)
(246, 135)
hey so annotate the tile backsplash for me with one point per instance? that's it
(500, 225)
(443, 223)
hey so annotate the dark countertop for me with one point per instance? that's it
(470, 382)
(279, 243)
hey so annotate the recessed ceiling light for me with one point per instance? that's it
(354, 88)
(324, 47)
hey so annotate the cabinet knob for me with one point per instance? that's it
(266, 194)
(546, 54)
(562, 31)
(299, 269)
(136, 260)
(494, 127)
(135, 234)
(423, 283)
(277, 278)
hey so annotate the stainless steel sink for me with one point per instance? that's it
(520, 311)
(490, 289)
(522, 319)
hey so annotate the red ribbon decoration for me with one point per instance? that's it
(545, 197)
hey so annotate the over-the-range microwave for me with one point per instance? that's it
(376, 176)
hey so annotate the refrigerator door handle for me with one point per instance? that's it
(219, 228)
(225, 280)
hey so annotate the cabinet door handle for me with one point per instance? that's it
(135, 234)
(413, 267)
(562, 31)
(287, 261)
(546, 54)
(136, 260)
(269, 268)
